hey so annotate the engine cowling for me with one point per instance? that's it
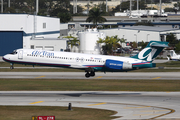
(118, 65)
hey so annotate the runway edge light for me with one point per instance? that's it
(43, 117)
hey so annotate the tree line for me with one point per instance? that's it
(64, 10)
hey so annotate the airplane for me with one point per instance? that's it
(174, 56)
(88, 62)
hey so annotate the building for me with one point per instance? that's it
(29, 31)
(141, 33)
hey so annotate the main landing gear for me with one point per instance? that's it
(89, 72)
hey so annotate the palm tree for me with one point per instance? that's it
(95, 15)
(111, 43)
(73, 41)
(122, 40)
(88, 6)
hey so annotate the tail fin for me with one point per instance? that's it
(151, 51)
(172, 53)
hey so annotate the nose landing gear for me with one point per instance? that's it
(11, 67)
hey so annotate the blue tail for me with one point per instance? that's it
(151, 51)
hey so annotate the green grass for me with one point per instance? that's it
(6, 64)
(60, 113)
(156, 70)
(88, 85)
(169, 64)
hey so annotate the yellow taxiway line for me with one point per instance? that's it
(136, 107)
(154, 110)
(145, 114)
(97, 104)
(40, 77)
(98, 77)
(36, 102)
(156, 78)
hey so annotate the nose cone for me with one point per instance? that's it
(5, 58)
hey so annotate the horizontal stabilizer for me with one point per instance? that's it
(155, 44)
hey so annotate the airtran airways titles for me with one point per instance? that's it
(44, 53)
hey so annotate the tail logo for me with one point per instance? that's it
(147, 54)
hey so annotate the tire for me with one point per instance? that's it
(87, 75)
(92, 74)
(11, 67)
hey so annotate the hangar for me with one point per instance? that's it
(10, 40)
(31, 32)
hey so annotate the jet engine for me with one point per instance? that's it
(118, 65)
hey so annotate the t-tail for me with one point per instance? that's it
(151, 51)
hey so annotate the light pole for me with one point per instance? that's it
(147, 38)
(76, 7)
(37, 6)
(136, 40)
(138, 6)
(9, 3)
(130, 7)
(106, 6)
(1, 6)
(160, 7)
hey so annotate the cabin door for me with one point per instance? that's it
(20, 54)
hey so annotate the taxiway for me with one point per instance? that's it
(129, 105)
(99, 75)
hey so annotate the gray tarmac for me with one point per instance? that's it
(99, 75)
(129, 105)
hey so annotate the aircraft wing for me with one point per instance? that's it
(77, 66)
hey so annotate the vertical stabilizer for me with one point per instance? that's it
(151, 51)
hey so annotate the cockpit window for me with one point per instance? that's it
(14, 52)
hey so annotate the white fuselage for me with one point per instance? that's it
(63, 59)
(177, 57)
(174, 56)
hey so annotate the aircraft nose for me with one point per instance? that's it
(5, 57)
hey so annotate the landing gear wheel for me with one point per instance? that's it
(92, 73)
(12, 67)
(87, 75)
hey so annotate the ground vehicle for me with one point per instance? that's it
(134, 53)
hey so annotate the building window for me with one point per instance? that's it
(44, 25)
(32, 46)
